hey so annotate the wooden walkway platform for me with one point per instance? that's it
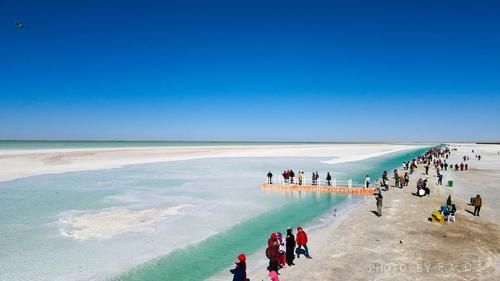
(314, 188)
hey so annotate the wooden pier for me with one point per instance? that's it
(316, 188)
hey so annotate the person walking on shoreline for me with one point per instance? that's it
(328, 179)
(290, 247)
(272, 253)
(379, 199)
(478, 202)
(282, 250)
(440, 178)
(396, 179)
(239, 272)
(385, 181)
(378, 185)
(302, 242)
(367, 181)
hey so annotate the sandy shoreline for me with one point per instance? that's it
(24, 163)
(403, 244)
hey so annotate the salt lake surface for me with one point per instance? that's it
(183, 220)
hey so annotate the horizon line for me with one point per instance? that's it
(255, 141)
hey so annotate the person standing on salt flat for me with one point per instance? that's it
(290, 247)
(396, 178)
(239, 272)
(478, 202)
(379, 198)
(272, 253)
(440, 178)
(302, 242)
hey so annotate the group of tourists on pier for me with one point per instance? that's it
(289, 177)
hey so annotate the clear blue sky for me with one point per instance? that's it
(250, 70)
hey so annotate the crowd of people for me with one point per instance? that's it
(290, 177)
(435, 157)
(422, 189)
(281, 251)
(400, 180)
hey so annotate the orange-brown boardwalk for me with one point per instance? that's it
(316, 188)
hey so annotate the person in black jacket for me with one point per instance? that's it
(329, 179)
(292, 175)
(239, 272)
(290, 247)
(270, 178)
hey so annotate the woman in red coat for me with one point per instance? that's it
(301, 240)
(272, 253)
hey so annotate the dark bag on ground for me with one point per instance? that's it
(300, 251)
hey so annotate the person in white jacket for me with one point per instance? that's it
(282, 245)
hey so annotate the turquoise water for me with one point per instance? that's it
(229, 214)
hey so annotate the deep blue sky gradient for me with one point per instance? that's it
(250, 70)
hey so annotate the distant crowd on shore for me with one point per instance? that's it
(436, 157)
(282, 251)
